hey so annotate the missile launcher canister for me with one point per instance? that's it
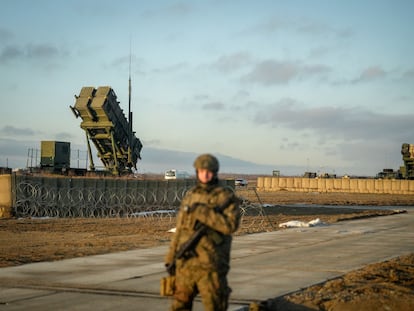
(107, 127)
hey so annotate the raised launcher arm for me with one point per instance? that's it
(107, 127)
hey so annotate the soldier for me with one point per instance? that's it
(205, 270)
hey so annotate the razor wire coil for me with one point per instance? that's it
(42, 200)
(36, 198)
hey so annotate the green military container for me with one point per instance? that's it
(55, 154)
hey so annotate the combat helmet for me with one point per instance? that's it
(207, 161)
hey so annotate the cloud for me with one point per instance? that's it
(213, 106)
(290, 146)
(124, 60)
(351, 123)
(175, 10)
(179, 9)
(271, 72)
(42, 51)
(198, 97)
(270, 25)
(369, 74)
(307, 27)
(14, 131)
(10, 52)
(232, 62)
(408, 74)
(313, 28)
(64, 136)
(28, 133)
(171, 68)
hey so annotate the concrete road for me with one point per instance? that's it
(265, 265)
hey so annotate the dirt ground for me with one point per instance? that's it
(382, 286)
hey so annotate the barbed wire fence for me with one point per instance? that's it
(254, 216)
(39, 197)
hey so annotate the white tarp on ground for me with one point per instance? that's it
(292, 224)
(302, 224)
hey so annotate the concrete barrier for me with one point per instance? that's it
(5, 196)
(388, 186)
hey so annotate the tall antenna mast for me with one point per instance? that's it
(129, 110)
(129, 86)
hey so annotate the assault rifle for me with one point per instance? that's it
(187, 249)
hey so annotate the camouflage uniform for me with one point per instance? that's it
(206, 272)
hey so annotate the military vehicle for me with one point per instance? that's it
(388, 173)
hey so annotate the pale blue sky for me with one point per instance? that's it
(319, 85)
